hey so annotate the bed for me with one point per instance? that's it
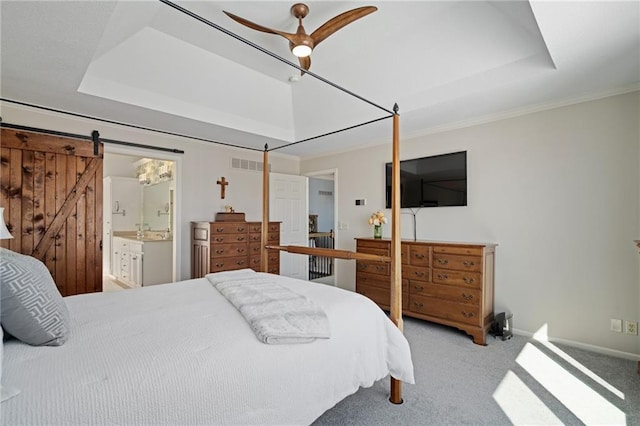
(182, 354)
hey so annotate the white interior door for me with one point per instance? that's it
(289, 204)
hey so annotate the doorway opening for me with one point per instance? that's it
(322, 223)
(141, 210)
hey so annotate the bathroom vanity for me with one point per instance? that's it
(142, 261)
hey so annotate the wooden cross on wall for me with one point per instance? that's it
(223, 185)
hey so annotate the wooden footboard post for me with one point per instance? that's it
(396, 256)
(264, 236)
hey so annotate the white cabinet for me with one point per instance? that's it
(142, 263)
(157, 263)
(122, 210)
(135, 264)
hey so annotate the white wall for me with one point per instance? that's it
(558, 191)
(197, 170)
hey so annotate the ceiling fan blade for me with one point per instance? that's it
(305, 63)
(257, 27)
(340, 21)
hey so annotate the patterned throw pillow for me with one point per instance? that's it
(32, 308)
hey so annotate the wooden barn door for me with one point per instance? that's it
(51, 189)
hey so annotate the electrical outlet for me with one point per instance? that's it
(631, 327)
(616, 325)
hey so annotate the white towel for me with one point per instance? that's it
(276, 314)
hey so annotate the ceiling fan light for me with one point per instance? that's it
(301, 50)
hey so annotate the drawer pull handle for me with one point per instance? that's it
(420, 255)
(418, 304)
(219, 239)
(443, 276)
(418, 274)
(443, 261)
(380, 268)
(240, 228)
(468, 280)
(240, 238)
(419, 287)
(240, 250)
(220, 251)
(219, 229)
(240, 262)
(219, 265)
(467, 315)
(467, 297)
(468, 264)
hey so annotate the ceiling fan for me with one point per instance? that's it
(301, 43)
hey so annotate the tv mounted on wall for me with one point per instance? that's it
(435, 181)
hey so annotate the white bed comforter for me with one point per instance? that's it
(182, 354)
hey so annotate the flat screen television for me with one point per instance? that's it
(435, 181)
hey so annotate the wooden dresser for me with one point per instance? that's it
(447, 283)
(225, 246)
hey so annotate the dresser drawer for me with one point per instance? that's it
(461, 263)
(459, 312)
(461, 278)
(229, 263)
(254, 227)
(254, 249)
(273, 259)
(381, 297)
(455, 294)
(274, 227)
(418, 255)
(229, 238)
(470, 251)
(373, 247)
(228, 250)
(375, 280)
(228, 228)
(415, 273)
(373, 268)
(257, 238)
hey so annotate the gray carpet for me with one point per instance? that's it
(517, 381)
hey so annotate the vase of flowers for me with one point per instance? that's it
(377, 219)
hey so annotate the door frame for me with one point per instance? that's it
(177, 216)
(333, 172)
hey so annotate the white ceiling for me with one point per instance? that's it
(445, 63)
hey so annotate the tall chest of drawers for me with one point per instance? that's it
(447, 283)
(226, 246)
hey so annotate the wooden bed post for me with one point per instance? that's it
(396, 259)
(264, 236)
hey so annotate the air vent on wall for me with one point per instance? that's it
(241, 163)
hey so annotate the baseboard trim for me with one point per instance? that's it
(585, 346)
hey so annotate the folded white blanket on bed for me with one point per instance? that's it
(276, 314)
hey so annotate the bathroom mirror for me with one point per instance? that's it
(157, 206)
